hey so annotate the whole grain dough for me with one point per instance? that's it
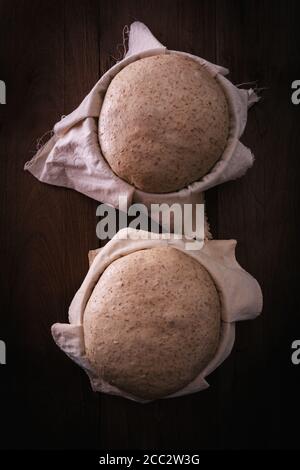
(164, 123)
(152, 322)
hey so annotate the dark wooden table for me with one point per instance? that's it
(51, 54)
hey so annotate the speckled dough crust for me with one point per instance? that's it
(152, 322)
(164, 123)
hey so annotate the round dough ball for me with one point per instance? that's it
(152, 323)
(164, 123)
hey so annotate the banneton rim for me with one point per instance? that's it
(121, 290)
(73, 157)
(187, 220)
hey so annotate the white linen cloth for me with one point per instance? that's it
(73, 158)
(240, 295)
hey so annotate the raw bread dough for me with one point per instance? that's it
(164, 123)
(152, 322)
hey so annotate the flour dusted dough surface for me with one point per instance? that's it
(164, 123)
(152, 322)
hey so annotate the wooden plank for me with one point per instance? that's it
(258, 41)
(81, 72)
(51, 55)
(45, 231)
(187, 26)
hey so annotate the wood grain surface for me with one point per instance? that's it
(51, 54)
